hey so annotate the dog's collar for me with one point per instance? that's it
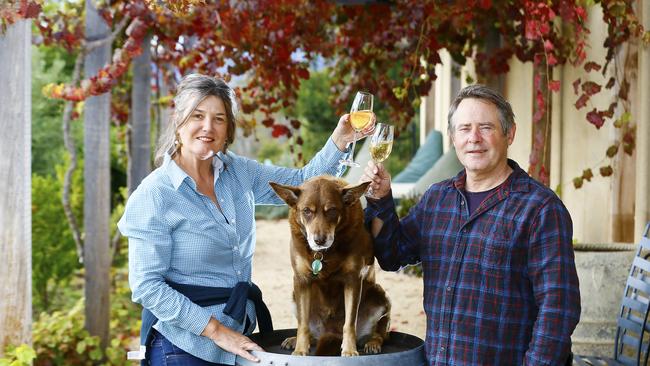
(317, 264)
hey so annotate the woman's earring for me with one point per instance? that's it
(177, 142)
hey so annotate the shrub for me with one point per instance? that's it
(54, 257)
(22, 355)
(61, 339)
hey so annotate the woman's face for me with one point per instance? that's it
(206, 129)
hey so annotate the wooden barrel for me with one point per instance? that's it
(399, 349)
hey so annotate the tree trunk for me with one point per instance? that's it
(97, 185)
(15, 195)
(139, 131)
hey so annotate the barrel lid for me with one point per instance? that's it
(399, 348)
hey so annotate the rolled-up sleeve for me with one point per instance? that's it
(150, 249)
(326, 161)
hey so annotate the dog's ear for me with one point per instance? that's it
(351, 194)
(288, 194)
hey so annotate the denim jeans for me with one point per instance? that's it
(164, 353)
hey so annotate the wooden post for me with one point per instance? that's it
(15, 195)
(541, 135)
(140, 122)
(642, 202)
(97, 185)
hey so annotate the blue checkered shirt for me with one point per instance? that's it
(500, 285)
(178, 234)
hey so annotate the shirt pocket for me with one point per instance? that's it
(498, 230)
(496, 253)
(495, 268)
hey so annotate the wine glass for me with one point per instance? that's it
(381, 144)
(360, 118)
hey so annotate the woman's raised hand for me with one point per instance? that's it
(344, 133)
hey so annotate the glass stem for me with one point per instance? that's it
(354, 142)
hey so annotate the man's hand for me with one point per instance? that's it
(344, 133)
(231, 341)
(379, 177)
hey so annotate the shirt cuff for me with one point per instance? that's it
(381, 208)
(197, 320)
(334, 155)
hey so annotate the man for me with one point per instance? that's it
(500, 284)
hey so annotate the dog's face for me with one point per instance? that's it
(319, 205)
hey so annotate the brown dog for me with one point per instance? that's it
(334, 290)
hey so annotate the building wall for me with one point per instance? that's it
(603, 207)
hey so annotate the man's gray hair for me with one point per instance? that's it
(478, 91)
(190, 92)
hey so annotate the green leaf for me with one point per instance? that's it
(96, 354)
(81, 347)
(625, 117)
(25, 354)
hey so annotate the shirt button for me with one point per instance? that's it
(233, 221)
(239, 272)
(464, 231)
(235, 248)
(462, 203)
(448, 288)
(222, 200)
(442, 349)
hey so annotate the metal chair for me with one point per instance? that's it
(632, 346)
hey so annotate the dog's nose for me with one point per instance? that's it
(320, 240)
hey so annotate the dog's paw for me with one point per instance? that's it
(349, 353)
(300, 353)
(372, 347)
(289, 343)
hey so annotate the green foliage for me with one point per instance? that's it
(120, 257)
(267, 212)
(125, 315)
(22, 355)
(273, 151)
(404, 205)
(314, 107)
(49, 64)
(54, 257)
(61, 339)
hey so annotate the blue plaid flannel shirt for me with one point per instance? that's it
(500, 286)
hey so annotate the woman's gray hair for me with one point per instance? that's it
(478, 91)
(190, 92)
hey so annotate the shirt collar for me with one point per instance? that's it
(178, 175)
(516, 182)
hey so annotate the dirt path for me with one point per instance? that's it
(272, 272)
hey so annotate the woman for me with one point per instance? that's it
(191, 230)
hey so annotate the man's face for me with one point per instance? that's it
(480, 144)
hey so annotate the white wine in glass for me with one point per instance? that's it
(360, 118)
(380, 151)
(381, 144)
